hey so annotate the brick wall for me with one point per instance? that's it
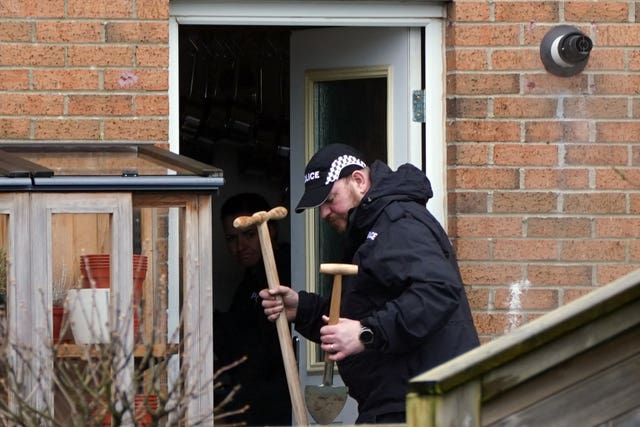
(542, 170)
(84, 70)
(544, 188)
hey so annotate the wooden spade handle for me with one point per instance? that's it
(282, 325)
(344, 269)
(278, 212)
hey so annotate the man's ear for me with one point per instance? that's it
(361, 180)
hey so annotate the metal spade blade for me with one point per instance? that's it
(324, 402)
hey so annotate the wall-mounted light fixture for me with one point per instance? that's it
(564, 50)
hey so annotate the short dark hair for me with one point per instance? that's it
(243, 204)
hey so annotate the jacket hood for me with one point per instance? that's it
(407, 184)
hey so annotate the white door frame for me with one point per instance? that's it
(396, 13)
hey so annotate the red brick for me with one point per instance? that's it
(31, 55)
(596, 155)
(151, 105)
(138, 130)
(15, 31)
(472, 249)
(488, 226)
(558, 227)
(474, 154)
(152, 56)
(469, 202)
(100, 105)
(592, 250)
(594, 203)
(32, 8)
(483, 35)
(621, 84)
(68, 31)
(617, 35)
(461, 107)
(67, 129)
(515, 59)
(559, 275)
(599, 11)
(634, 251)
(466, 178)
(530, 299)
(100, 9)
(467, 60)
(617, 131)
(634, 204)
(483, 84)
(562, 179)
(553, 85)
(487, 273)
(486, 131)
(634, 59)
(618, 227)
(66, 79)
(101, 56)
(573, 294)
(525, 249)
(469, 11)
(152, 9)
(137, 32)
(557, 131)
(14, 128)
(608, 59)
(595, 107)
(507, 11)
(30, 104)
(525, 201)
(491, 323)
(525, 154)
(478, 298)
(14, 79)
(615, 178)
(518, 107)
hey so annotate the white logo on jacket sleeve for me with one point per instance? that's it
(372, 235)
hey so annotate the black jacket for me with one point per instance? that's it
(408, 290)
(245, 331)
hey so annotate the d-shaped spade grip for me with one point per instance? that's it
(260, 219)
(344, 269)
(278, 212)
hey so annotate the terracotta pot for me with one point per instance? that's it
(58, 315)
(142, 416)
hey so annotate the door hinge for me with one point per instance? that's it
(418, 101)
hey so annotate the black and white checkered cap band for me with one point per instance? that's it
(340, 163)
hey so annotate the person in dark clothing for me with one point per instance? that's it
(406, 310)
(244, 330)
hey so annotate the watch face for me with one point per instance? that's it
(366, 335)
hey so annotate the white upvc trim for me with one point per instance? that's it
(435, 114)
(410, 13)
(174, 87)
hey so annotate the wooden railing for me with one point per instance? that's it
(578, 365)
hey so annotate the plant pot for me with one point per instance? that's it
(142, 416)
(58, 316)
(88, 311)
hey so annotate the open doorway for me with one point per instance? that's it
(234, 113)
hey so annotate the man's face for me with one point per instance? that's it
(243, 245)
(335, 210)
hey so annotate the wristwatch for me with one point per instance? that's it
(366, 336)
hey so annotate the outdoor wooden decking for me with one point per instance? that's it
(578, 365)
